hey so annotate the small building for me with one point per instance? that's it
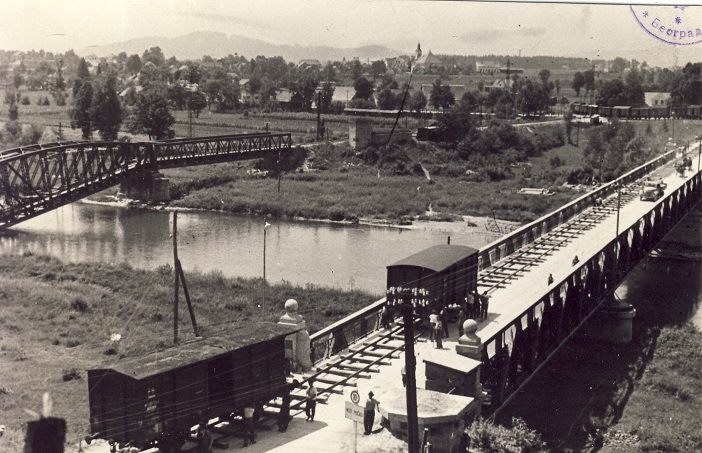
(310, 63)
(499, 84)
(442, 414)
(657, 98)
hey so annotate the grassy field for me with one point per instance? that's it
(56, 320)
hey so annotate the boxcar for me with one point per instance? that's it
(446, 271)
(165, 393)
(621, 111)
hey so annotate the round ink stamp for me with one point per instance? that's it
(676, 25)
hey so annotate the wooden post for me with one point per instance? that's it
(177, 275)
(187, 298)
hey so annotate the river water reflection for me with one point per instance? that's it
(344, 256)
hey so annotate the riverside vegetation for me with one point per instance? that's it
(479, 176)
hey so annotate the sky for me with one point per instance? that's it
(444, 27)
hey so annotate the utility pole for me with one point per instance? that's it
(278, 170)
(410, 368)
(319, 113)
(177, 276)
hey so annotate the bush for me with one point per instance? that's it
(79, 305)
(556, 161)
(71, 374)
(487, 437)
(25, 100)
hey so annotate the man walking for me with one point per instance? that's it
(461, 320)
(369, 414)
(311, 402)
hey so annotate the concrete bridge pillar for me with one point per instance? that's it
(613, 322)
(146, 186)
(297, 345)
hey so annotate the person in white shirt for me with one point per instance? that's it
(311, 401)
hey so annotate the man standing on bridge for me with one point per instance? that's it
(369, 414)
(484, 302)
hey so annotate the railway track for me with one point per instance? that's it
(522, 260)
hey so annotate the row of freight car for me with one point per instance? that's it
(637, 113)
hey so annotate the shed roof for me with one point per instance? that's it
(438, 257)
(144, 366)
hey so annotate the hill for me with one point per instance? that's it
(195, 45)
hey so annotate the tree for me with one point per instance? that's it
(17, 80)
(378, 68)
(356, 70)
(196, 102)
(544, 75)
(532, 98)
(578, 82)
(418, 102)
(327, 96)
(618, 65)
(154, 55)
(387, 99)
(105, 110)
(60, 82)
(82, 75)
(589, 80)
(80, 113)
(611, 93)
(13, 110)
(83, 71)
(686, 87)
(364, 89)
(456, 123)
(134, 64)
(441, 95)
(151, 115)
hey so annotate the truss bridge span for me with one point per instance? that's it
(38, 178)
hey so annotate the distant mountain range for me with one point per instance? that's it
(218, 45)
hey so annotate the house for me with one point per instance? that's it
(310, 63)
(499, 84)
(494, 68)
(245, 96)
(428, 62)
(656, 98)
(487, 67)
(398, 64)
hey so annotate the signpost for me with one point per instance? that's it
(354, 412)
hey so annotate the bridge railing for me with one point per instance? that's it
(227, 145)
(345, 332)
(498, 250)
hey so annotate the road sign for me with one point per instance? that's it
(355, 397)
(354, 412)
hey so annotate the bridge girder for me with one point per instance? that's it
(39, 178)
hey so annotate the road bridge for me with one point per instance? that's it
(609, 230)
(38, 178)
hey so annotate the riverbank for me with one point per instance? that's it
(57, 319)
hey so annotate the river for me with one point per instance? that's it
(299, 252)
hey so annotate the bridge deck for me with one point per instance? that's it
(525, 289)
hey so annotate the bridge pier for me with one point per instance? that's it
(612, 323)
(146, 186)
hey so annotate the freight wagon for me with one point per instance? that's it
(156, 398)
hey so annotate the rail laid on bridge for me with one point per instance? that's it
(513, 352)
(38, 178)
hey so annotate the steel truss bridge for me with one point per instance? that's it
(38, 178)
(609, 229)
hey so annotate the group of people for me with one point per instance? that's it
(473, 306)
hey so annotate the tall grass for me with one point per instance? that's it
(56, 320)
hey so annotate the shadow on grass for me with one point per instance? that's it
(588, 385)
